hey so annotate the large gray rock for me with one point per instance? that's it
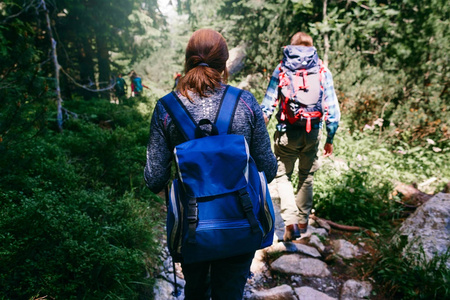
(308, 293)
(236, 59)
(258, 266)
(315, 241)
(313, 230)
(282, 292)
(345, 249)
(355, 290)
(428, 227)
(294, 248)
(295, 264)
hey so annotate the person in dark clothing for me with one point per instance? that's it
(201, 90)
(120, 88)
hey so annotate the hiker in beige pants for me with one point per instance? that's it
(299, 126)
(290, 146)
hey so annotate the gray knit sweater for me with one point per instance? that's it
(164, 136)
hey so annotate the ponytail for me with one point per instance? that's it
(205, 65)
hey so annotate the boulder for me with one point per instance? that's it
(345, 249)
(236, 59)
(282, 292)
(308, 293)
(428, 228)
(295, 264)
(355, 290)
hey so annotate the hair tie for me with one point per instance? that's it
(203, 64)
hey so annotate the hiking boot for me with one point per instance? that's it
(291, 232)
(303, 227)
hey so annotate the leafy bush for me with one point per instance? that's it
(353, 197)
(402, 279)
(76, 219)
(356, 185)
(73, 244)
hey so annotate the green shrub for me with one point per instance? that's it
(72, 245)
(356, 185)
(353, 197)
(411, 277)
(76, 220)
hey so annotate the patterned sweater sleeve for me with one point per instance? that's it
(269, 102)
(159, 155)
(331, 101)
(260, 146)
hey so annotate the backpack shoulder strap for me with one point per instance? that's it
(227, 108)
(187, 125)
(178, 112)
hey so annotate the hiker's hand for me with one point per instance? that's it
(327, 149)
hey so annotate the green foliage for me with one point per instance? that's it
(73, 244)
(412, 276)
(76, 221)
(389, 60)
(353, 197)
(390, 65)
(75, 216)
(357, 187)
(23, 88)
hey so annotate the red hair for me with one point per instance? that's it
(205, 65)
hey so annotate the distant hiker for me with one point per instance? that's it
(176, 78)
(136, 85)
(206, 99)
(302, 87)
(120, 88)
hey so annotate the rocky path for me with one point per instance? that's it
(317, 266)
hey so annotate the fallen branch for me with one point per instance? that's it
(342, 227)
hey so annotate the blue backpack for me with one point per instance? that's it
(137, 84)
(219, 204)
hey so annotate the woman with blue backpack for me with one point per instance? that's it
(210, 116)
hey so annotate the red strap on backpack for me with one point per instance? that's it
(304, 74)
(284, 80)
(308, 116)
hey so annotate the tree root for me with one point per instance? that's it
(343, 227)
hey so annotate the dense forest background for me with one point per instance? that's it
(76, 221)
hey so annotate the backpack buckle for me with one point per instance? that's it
(246, 202)
(192, 210)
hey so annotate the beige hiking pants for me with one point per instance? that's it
(289, 146)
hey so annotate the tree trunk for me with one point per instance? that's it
(59, 116)
(104, 68)
(86, 67)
